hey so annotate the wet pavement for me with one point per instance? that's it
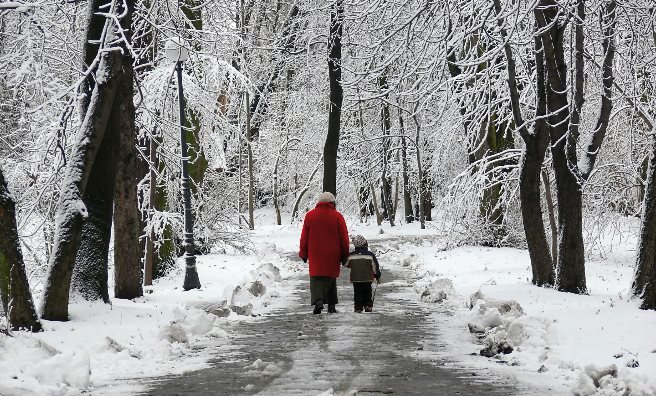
(292, 352)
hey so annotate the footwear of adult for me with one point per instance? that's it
(367, 309)
(331, 308)
(318, 307)
(357, 309)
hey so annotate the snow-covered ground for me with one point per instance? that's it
(558, 342)
(106, 348)
(596, 344)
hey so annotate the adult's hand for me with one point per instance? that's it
(304, 259)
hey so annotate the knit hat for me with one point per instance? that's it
(359, 241)
(326, 197)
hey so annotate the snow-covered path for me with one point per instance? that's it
(292, 352)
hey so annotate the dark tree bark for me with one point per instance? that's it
(386, 193)
(644, 280)
(570, 174)
(91, 262)
(564, 132)
(14, 286)
(92, 36)
(589, 157)
(71, 211)
(127, 249)
(407, 200)
(531, 163)
(336, 97)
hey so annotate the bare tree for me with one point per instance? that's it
(336, 96)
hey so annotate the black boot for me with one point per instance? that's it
(331, 308)
(318, 307)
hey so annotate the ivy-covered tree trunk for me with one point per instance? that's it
(71, 210)
(14, 287)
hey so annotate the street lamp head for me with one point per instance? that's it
(176, 49)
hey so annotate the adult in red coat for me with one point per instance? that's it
(325, 243)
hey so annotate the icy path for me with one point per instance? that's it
(292, 352)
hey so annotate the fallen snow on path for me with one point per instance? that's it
(106, 349)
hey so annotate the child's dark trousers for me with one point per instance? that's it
(362, 294)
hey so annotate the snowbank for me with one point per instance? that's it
(597, 344)
(160, 333)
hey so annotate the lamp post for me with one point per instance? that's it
(177, 52)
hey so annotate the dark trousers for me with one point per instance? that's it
(362, 294)
(323, 288)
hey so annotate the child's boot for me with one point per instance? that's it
(368, 308)
(357, 308)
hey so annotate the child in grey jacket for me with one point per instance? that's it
(364, 270)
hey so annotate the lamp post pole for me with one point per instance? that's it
(191, 280)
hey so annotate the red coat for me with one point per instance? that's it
(324, 240)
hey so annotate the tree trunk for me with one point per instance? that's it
(297, 202)
(92, 38)
(531, 162)
(552, 216)
(251, 176)
(407, 200)
(71, 211)
(420, 175)
(571, 256)
(379, 217)
(386, 193)
(14, 286)
(127, 249)
(644, 280)
(529, 195)
(149, 256)
(91, 262)
(336, 97)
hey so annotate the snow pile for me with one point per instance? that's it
(561, 342)
(164, 332)
(608, 380)
(31, 365)
(503, 327)
(260, 368)
(434, 289)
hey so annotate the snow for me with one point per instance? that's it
(559, 339)
(481, 299)
(105, 348)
